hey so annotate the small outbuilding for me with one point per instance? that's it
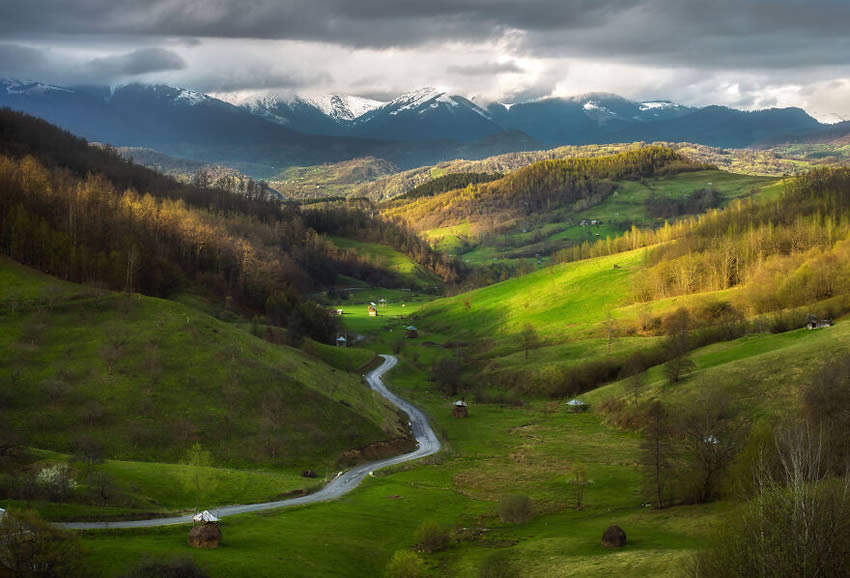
(341, 341)
(575, 405)
(460, 409)
(412, 333)
(814, 323)
(373, 310)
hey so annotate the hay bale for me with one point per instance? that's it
(205, 536)
(614, 537)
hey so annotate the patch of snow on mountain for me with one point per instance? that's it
(657, 105)
(341, 107)
(446, 99)
(414, 99)
(30, 88)
(190, 97)
(591, 106)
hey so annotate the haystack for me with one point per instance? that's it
(460, 409)
(614, 537)
(205, 536)
(208, 534)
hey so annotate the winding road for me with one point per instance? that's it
(427, 444)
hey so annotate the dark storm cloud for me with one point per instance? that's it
(745, 33)
(17, 57)
(141, 61)
(486, 68)
(259, 79)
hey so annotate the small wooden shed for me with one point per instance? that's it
(412, 333)
(373, 310)
(341, 341)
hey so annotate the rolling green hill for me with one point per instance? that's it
(146, 378)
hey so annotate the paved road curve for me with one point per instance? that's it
(427, 444)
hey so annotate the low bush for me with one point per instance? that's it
(430, 537)
(515, 509)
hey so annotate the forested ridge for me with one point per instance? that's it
(785, 252)
(85, 214)
(447, 183)
(541, 187)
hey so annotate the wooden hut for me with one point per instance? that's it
(411, 332)
(341, 341)
(373, 310)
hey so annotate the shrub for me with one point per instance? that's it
(405, 564)
(498, 565)
(31, 547)
(430, 537)
(56, 481)
(515, 509)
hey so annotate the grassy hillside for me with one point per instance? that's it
(562, 301)
(501, 450)
(146, 378)
(389, 259)
(628, 205)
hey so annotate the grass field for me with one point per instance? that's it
(495, 452)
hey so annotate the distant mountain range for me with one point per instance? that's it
(271, 132)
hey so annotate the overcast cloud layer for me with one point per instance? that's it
(745, 53)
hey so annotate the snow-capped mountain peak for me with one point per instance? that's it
(343, 107)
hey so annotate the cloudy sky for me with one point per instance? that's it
(743, 53)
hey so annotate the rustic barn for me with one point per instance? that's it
(815, 323)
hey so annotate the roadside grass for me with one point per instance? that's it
(350, 359)
(156, 488)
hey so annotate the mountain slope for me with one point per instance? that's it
(427, 114)
(328, 115)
